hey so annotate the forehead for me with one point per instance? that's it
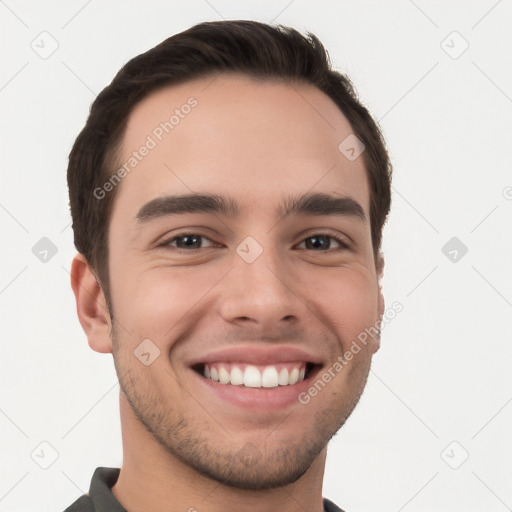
(254, 139)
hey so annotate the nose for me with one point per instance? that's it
(260, 294)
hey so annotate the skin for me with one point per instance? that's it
(255, 142)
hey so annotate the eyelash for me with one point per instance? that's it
(167, 244)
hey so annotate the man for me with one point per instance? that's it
(228, 194)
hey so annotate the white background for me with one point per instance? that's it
(443, 371)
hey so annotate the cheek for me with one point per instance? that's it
(350, 304)
(153, 303)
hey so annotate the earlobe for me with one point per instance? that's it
(91, 305)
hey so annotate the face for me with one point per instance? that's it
(247, 298)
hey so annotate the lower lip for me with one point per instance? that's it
(268, 399)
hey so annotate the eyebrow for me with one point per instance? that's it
(307, 204)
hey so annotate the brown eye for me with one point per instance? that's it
(320, 242)
(188, 241)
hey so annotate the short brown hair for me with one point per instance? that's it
(251, 48)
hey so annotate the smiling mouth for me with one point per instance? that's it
(257, 376)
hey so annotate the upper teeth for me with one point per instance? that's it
(254, 376)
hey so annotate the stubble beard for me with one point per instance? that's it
(232, 462)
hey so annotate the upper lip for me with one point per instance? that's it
(256, 355)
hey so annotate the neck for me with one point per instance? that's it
(153, 479)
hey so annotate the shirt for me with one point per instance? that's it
(101, 499)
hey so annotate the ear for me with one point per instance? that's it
(91, 305)
(381, 304)
(380, 275)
